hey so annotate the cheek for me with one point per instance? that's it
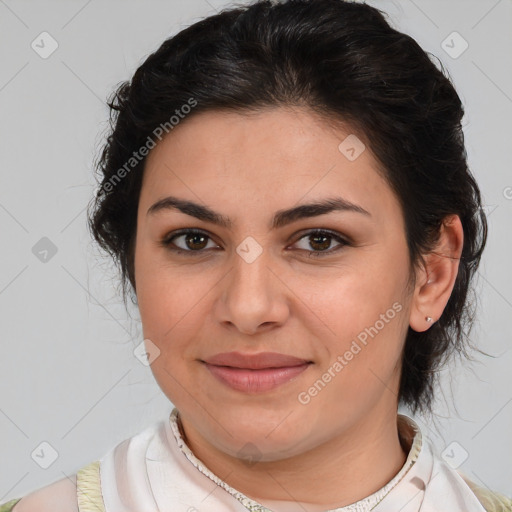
(359, 297)
(173, 306)
(366, 311)
(162, 291)
(368, 336)
(172, 315)
(363, 366)
(169, 314)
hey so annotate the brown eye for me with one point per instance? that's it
(320, 241)
(189, 241)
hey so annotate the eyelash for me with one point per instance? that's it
(167, 241)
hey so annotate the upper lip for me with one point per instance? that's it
(255, 361)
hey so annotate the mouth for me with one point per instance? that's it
(255, 373)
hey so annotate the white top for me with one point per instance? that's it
(156, 471)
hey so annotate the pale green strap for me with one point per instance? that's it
(491, 501)
(88, 488)
(7, 507)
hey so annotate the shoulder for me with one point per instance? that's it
(491, 501)
(59, 496)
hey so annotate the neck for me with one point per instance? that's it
(340, 472)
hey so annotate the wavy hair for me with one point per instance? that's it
(344, 61)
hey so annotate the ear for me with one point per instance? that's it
(435, 281)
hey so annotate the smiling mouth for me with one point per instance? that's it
(255, 381)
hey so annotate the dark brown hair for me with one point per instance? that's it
(343, 61)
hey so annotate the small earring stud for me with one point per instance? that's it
(428, 319)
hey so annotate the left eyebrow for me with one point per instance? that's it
(280, 219)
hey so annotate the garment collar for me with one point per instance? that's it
(410, 438)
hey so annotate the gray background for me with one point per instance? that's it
(68, 374)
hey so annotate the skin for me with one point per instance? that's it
(342, 445)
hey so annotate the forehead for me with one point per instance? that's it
(272, 134)
(275, 155)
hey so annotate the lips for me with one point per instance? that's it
(255, 373)
(255, 361)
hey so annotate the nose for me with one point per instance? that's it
(253, 298)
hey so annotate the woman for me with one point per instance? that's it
(286, 191)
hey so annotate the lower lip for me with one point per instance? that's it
(255, 381)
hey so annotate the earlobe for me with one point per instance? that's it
(436, 279)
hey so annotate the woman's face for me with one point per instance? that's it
(335, 322)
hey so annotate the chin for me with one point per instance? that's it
(267, 438)
(263, 449)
